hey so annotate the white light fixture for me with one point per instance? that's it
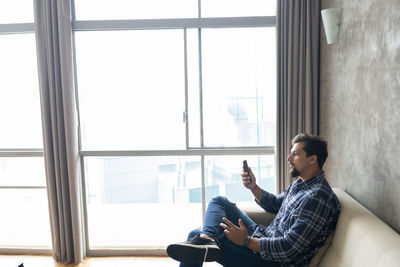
(331, 20)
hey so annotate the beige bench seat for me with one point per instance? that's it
(361, 239)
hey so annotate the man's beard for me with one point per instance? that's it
(294, 172)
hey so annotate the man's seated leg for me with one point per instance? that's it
(195, 250)
(218, 208)
(233, 255)
(199, 249)
(192, 234)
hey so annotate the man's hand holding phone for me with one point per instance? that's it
(248, 178)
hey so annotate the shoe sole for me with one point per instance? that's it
(193, 253)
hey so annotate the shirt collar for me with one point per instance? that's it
(312, 180)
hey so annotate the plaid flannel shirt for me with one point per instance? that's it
(307, 214)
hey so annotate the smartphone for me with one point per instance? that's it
(246, 168)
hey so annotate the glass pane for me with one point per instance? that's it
(134, 9)
(131, 89)
(22, 172)
(19, 94)
(128, 196)
(239, 86)
(24, 218)
(237, 8)
(223, 176)
(16, 11)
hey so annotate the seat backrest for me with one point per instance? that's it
(361, 239)
(259, 216)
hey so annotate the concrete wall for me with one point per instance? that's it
(360, 104)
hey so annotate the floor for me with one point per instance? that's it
(48, 261)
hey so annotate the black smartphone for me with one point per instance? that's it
(246, 168)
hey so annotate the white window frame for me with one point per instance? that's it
(7, 29)
(151, 24)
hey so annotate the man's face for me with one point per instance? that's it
(298, 160)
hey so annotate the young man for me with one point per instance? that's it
(307, 213)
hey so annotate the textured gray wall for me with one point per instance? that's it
(360, 104)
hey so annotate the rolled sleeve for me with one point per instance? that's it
(270, 202)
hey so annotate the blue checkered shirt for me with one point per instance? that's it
(307, 213)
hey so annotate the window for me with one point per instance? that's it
(172, 96)
(23, 197)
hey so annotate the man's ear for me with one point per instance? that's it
(314, 159)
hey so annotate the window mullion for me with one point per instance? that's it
(186, 120)
(203, 188)
(16, 28)
(144, 24)
(201, 91)
(21, 153)
(199, 8)
(188, 152)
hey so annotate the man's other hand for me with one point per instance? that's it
(235, 234)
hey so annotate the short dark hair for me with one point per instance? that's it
(313, 145)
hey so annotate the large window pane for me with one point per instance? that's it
(239, 87)
(237, 8)
(24, 218)
(134, 9)
(22, 172)
(223, 176)
(16, 11)
(128, 197)
(131, 89)
(19, 95)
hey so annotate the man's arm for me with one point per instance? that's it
(266, 200)
(257, 192)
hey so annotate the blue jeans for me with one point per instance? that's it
(231, 254)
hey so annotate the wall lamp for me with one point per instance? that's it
(331, 21)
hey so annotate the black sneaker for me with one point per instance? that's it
(197, 249)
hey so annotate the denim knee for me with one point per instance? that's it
(220, 200)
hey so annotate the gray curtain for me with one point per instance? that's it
(59, 119)
(298, 34)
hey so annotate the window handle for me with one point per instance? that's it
(185, 117)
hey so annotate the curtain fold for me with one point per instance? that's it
(60, 133)
(298, 36)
